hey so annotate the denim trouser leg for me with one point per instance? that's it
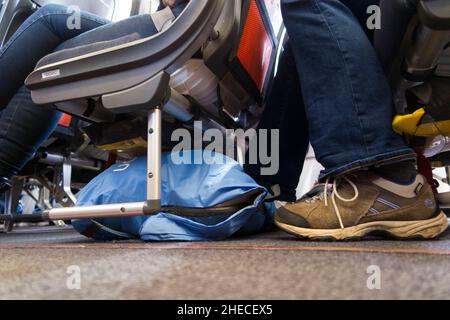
(347, 98)
(23, 125)
(285, 112)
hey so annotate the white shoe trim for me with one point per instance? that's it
(405, 191)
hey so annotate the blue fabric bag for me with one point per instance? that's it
(19, 209)
(192, 186)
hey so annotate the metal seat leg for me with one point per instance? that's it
(149, 207)
(154, 159)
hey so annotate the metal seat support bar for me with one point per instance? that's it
(149, 207)
(154, 158)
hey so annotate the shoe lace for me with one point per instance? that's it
(314, 199)
(335, 194)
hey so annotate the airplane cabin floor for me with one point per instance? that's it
(34, 262)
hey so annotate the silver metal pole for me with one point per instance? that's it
(57, 159)
(93, 212)
(154, 159)
(67, 183)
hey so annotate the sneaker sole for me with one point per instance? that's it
(425, 229)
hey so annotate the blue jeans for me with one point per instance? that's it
(338, 99)
(23, 125)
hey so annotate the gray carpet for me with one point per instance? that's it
(34, 264)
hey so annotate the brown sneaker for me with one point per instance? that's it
(364, 204)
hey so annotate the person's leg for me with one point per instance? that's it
(18, 138)
(24, 126)
(349, 109)
(285, 112)
(347, 97)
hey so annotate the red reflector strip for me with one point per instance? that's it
(65, 121)
(255, 49)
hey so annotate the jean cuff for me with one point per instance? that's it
(384, 159)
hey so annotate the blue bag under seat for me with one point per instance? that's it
(186, 185)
